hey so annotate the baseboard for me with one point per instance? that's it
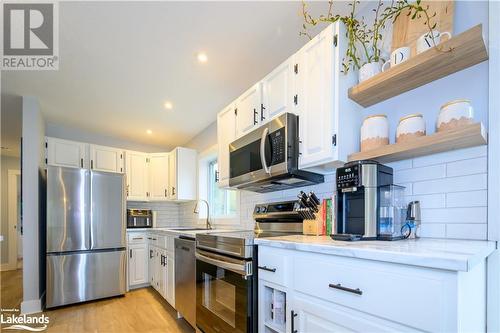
(31, 306)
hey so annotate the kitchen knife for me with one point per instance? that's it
(313, 196)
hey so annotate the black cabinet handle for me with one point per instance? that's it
(338, 286)
(92, 164)
(166, 193)
(265, 268)
(292, 324)
(81, 162)
(130, 251)
(150, 254)
(255, 113)
(262, 108)
(161, 260)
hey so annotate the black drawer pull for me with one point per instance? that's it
(292, 317)
(338, 286)
(137, 238)
(265, 268)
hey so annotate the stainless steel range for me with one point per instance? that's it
(226, 270)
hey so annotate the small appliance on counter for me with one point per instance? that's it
(413, 219)
(139, 218)
(358, 202)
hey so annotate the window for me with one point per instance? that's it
(223, 203)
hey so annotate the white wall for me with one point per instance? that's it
(69, 133)
(33, 132)
(6, 163)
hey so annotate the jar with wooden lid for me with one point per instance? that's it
(374, 132)
(410, 127)
(455, 114)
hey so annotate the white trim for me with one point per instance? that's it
(31, 306)
(493, 278)
(12, 219)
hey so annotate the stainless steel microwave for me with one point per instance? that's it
(266, 159)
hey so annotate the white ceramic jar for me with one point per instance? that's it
(410, 127)
(374, 132)
(455, 114)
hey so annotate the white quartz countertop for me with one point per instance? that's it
(448, 254)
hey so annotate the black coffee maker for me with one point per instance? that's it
(358, 199)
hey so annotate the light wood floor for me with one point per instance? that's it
(142, 310)
(11, 288)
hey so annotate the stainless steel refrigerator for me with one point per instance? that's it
(86, 235)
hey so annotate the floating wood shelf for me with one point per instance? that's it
(453, 55)
(463, 137)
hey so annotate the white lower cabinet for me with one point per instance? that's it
(137, 264)
(328, 293)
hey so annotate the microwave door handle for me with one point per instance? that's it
(263, 150)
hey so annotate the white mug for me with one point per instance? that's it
(424, 42)
(398, 56)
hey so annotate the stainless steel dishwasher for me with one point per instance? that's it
(185, 278)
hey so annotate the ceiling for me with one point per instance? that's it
(120, 61)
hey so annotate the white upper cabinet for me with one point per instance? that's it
(106, 159)
(226, 133)
(323, 105)
(277, 90)
(137, 176)
(66, 153)
(249, 109)
(183, 174)
(158, 175)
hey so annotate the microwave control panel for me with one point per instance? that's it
(278, 143)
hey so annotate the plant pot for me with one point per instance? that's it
(368, 70)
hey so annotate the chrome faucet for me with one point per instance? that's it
(197, 211)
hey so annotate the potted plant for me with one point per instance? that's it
(363, 40)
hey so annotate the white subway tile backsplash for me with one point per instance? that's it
(467, 167)
(433, 230)
(450, 156)
(452, 184)
(401, 165)
(429, 201)
(467, 199)
(455, 215)
(467, 231)
(167, 213)
(419, 174)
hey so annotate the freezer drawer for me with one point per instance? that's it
(79, 277)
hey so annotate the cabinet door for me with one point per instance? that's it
(66, 153)
(138, 264)
(226, 133)
(137, 176)
(151, 265)
(315, 92)
(157, 269)
(314, 315)
(248, 109)
(277, 91)
(172, 174)
(164, 275)
(170, 286)
(106, 159)
(158, 176)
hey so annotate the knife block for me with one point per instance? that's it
(313, 227)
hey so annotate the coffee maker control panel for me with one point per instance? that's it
(348, 177)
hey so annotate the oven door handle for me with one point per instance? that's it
(263, 139)
(236, 268)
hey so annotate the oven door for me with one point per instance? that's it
(263, 153)
(224, 292)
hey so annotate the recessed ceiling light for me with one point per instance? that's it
(149, 131)
(202, 57)
(168, 105)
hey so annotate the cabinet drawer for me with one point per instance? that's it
(160, 241)
(169, 243)
(419, 298)
(136, 238)
(273, 265)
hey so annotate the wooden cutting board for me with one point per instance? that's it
(406, 31)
